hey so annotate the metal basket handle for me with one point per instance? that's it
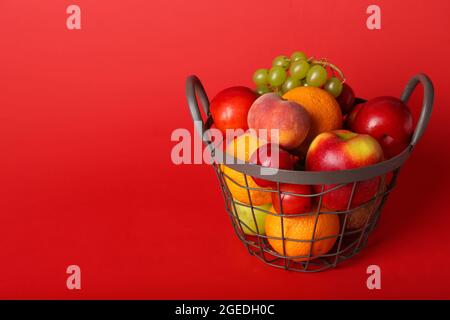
(195, 88)
(427, 104)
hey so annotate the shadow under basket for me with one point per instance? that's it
(321, 238)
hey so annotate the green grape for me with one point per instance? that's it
(298, 55)
(289, 84)
(260, 77)
(277, 75)
(299, 69)
(281, 61)
(262, 89)
(333, 86)
(317, 76)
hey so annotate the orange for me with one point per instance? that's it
(242, 148)
(236, 184)
(322, 107)
(302, 228)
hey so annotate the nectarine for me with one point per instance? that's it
(229, 108)
(271, 112)
(387, 119)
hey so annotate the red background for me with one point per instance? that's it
(85, 123)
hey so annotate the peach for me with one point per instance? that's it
(291, 120)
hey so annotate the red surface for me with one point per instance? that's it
(85, 124)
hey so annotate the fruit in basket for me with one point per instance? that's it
(298, 70)
(237, 186)
(323, 109)
(245, 218)
(291, 120)
(298, 56)
(346, 99)
(302, 228)
(333, 86)
(358, 218)
(343, 150)
(317, 76)
(350, 116)
(270, 155)
(262, 90)
(290, 84)
(242, 148)
(277, 75)
(387, 119)
(229, 108)
(281, 61)
(292, 204)
(260, 77)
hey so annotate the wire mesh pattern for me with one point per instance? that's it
(297, 242)
(355, 224)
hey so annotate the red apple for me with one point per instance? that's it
(292, 204)
(343, 150)
(270, 155)
(388, 120)
(346, 99)
(229, 108)
(271, 112)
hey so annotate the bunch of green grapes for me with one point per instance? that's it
(298, 70)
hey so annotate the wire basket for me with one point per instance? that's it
(316, 250)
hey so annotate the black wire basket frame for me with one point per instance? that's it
(351, 238)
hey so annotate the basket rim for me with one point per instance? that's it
(316, 177)
(195, 88)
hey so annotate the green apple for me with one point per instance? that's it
(245, 217)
